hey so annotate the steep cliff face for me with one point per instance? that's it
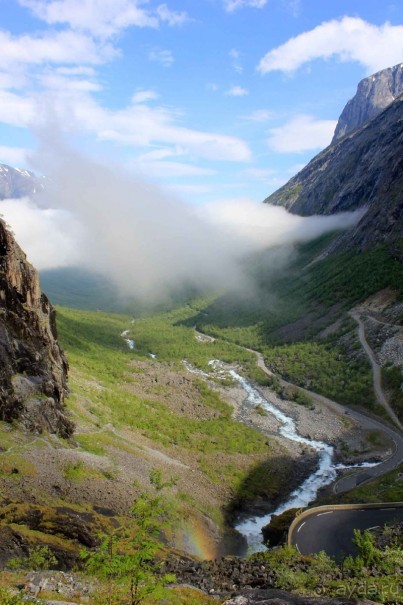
(15, 183)
(362, 170)
(373, 95)
(33, 369)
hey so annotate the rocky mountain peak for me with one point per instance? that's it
(33, 368)
(361, 170)
(373, 95)
(16, 183)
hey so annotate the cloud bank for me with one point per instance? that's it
(301, 133)
(348, 39)
(99, 217)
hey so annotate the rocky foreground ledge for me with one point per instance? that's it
(281, 597)
(33, 368)
(70, 589)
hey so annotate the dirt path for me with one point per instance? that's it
(376, 370)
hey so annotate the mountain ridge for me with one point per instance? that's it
(364, 170)
(373, 95)
(17, 183)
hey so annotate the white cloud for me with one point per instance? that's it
(103, 18)
(259, 115)
(141, 96)
(169, 169)
(164, 57)
(14, 156)
(237, 91)
(236, 64)
(348, 39)
(261, 174)
(136, 125)
(301, 133)
(16, 110)
(171, 17)
(187, 190)
(78, 70)
(53, 47)
(50, 237)
(52, 81)
(232, 5)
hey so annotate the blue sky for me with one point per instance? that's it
(212, 99)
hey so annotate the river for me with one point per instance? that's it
(306, 493)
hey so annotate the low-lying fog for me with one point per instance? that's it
(100, 217)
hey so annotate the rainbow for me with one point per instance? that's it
(196, 540)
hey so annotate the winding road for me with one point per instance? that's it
(376, 370)
(331, 528)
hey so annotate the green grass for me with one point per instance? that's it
(101, 363)
(285, 314)
(301, 289)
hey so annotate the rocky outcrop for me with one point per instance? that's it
(221, 576)
(33, 368)
(373, 95)
(15, 183)
(362, 170)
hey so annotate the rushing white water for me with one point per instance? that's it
(307, 491)
(325, 474)
(130, 343)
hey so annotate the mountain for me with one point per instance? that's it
(15, 183)
(373, 95)
(364, 170)
(33, 368)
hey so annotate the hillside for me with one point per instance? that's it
(362, 170)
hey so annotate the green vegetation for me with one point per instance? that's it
(80, 289)
(15, 465)
(129, 562)
(388, 488)
(39, 558)
(288, 310)
(103, 368)
(9, 597)
(392, 382)
(78, 471)
(323, 369)
(374, 573)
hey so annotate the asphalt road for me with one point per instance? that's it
(332, 531)
(361, 476)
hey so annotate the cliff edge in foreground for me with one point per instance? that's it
(33, 368)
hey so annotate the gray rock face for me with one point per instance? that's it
(33, 369)
(15, 183)
(373, 95)
(363, 169)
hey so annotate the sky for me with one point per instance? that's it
(212, 100)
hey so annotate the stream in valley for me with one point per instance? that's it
(324, 475)
(306, 493)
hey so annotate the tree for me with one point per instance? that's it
(129, 561)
